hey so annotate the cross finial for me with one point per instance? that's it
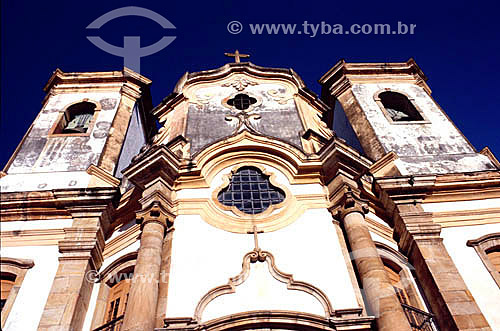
(236, 56)
(255, 238)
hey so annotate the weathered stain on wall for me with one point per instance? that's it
(432, 147)
(43, 153)
(207, 123)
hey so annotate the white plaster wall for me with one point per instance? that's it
(461, 205)
(37, 225)
(204, 257)
(477, 278)
(30, 301)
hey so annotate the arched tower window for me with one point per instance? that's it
(78, 117)
(399, 107)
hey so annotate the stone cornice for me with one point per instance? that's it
(54, 203)
(106, 77)
(337, 156)
(18, 263)
(275, 319)
(156, 161)
(103, 175)
(342, 75)
(435, 188)
(489, 154)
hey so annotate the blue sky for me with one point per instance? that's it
(456, 44)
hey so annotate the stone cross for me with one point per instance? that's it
(236, 56)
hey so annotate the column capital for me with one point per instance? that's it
(154, 213)
(348, 202)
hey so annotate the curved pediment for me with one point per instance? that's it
(211, 105)
(261, 293)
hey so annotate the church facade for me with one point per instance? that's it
(256, 205)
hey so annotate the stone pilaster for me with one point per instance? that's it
(144, 291)
(380, 295)
(419, 239)
(81, 255)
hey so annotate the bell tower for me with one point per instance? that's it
(388, 107)
(90, 126)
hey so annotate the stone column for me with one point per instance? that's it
(81, 255)
(377, 288)
(143, 297)
(161, 307)
(450, 300)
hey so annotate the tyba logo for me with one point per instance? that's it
(131, 50)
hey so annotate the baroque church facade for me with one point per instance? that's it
(256, 205)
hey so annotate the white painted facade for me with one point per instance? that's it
(30, 301)
(477, 278)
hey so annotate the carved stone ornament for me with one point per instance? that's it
(240, 83)
(254, 256)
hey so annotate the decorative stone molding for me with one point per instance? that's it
(56, 204)
(254, 256)
(271, 320)
(239, 84)
(343, 74)
(16, 268)
(350, 202)
(102, 175)
(154, 213)
(248, 217)
(489, 154)
(483, 245)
